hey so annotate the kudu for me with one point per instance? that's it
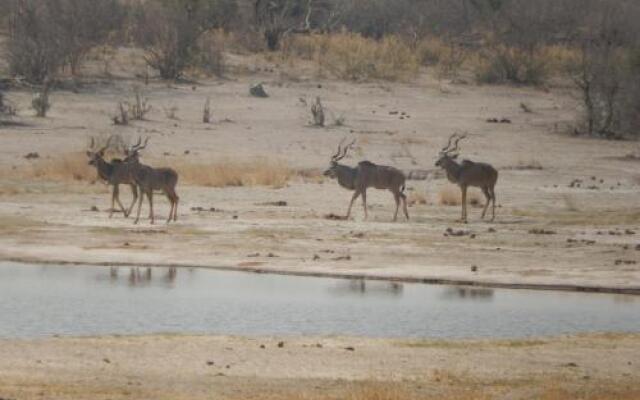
(149, 179)
(468, 173)
(366, 175)
(114, 173)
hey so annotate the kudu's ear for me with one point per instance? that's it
(455, 156)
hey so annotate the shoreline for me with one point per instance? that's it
(633, 291)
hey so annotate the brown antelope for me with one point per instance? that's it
(366, 175)
(468, 173)
(114, 173)
(149, 179)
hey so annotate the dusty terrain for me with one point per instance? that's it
(199, 367)
(590, 229)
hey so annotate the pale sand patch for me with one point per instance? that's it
(199, 367)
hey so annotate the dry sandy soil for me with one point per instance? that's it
(593, 229)
(591, 239)
(199, 367)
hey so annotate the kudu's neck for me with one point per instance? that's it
(346, 176)
(105, 169)
(452, 168)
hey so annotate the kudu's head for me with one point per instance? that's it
(132, 154)
(340, 154)
(96, 155)
(448, 153)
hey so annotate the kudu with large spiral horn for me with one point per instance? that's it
(149, 179)
(468, 173)
(366, 175)
(114, 173)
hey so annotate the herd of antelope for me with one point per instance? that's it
(144, 180)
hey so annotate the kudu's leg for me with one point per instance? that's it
(353, 198)
(117, 194)
(464, 203)
(396, 197)
(113, 199)
(139, 205)
(176, 199)
(487, 196)
(173, 200)
(134, 191)
(493, 204)
(404, 205)
(364, 204)
(150, 197)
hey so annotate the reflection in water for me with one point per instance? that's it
(362, 287)
(142, 277)
(459, 292)
(38, 301)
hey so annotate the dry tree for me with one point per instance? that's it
(317, 111)
(40, 101)
(206, 113)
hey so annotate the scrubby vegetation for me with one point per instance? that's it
(592, 44)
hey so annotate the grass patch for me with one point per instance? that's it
(70, 167)
(452, 196)
(583, 217)
(444, 344)
(350, 56)
(259, 172)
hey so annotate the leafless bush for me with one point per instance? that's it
(122, 115)
(210, 55)
(40, 101)
(140, 107)
(317, 111)
(608, 73)
(171, 111)
(170, 31)
(46, 35)
(206, 112)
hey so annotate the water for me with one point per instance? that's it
(38, 301)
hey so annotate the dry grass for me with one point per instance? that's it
(69, 167)
(416, 198)
(353, 57)
(260, 172)
(452, 196)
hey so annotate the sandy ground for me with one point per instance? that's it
(595, 226)
(199, 367)
(592, 242)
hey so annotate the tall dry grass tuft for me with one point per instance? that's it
(452, 196)
(260, 172)
(353, 57)
(378, 391)
(63, 168)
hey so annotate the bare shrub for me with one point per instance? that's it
(210, 56)
(122, 115)
(502, 64)
(317, 112)
(40, 102)
(140, 106)
(607, 73)
(170, 32)
(171, 111)
(47, 35)
(260, 172)
(206, 112)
